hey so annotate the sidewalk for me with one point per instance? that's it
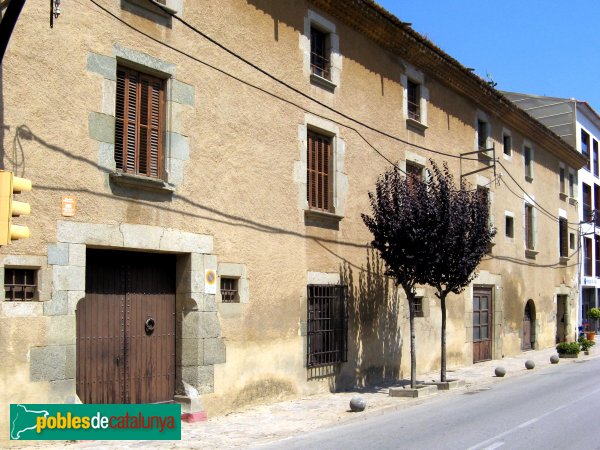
(261, 424)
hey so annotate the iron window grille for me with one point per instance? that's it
(19, 285)
(229, 290)
(413, 100)
(418, 307)
(327, 325)
(320, 64)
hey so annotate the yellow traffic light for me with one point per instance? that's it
(9, 208)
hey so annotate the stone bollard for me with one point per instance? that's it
(357, 404)
(529, 364)
(554, 359)
(500, 371)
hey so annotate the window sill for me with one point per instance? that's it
(563, 260)
(563, 196)
(416, 125)
(528, 178)
(322, 219)
(531, 254)
(141, 182)
(322, 82)
(572, 201)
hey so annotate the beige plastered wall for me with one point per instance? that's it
(241, 187)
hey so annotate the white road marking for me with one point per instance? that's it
(482, 445)
(495, 445)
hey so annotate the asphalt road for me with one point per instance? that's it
(555, 408)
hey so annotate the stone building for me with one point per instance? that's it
(578, 124)
(220, 155)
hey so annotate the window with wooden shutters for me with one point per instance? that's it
(319, 172)
(139, 123)
(529, 228)
(563, 232)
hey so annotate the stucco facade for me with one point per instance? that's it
(233, 198)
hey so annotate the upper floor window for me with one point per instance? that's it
(563, 243)
(585, 147)
(587, 257)
(139, 123)
(413, 91)
(482, 134)
(529, 227)
(318, 174)
(19, 285)
(572, 185)
(528, 158)
(595, 157)
(507, 144)
(319, 53)
(587, 201)
(562, 189)
(414, 170)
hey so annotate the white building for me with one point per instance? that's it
(579, 124)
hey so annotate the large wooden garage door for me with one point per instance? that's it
(482, 324)
(126, 328)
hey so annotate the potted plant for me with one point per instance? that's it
(593, 314)
(568, 349)
(586, 344)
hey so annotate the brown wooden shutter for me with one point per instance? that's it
(529, 227)
(563, 240)
(318, 172)
(138, 127)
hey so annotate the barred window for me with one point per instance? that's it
(229, 290)
(413, 91)
(319, 53)
(19, 285)
(327, 326)
(418, 307)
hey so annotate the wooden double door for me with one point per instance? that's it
(482, 324)
(126, 328)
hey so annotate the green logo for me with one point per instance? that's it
(95, 422)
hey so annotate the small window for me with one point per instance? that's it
(414, 170)
(327, 325)
(585, 147)
(529, 227)
(587, 202)
(19, 285)
(319, 53)
(507, 144)
(509, 226)
(528, 162)
(562, 180)
(319, 170)
(229, 290)
(595, 157)
(572, 241)
(562, 237)
(413, 91)
(139, 123)
(572, 184)
(482, 134)
(418, 307)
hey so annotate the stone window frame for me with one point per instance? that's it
(179, 99)
(239, 273)
(339, 182)
(315, 20)
(529, 200)
(417, 77)
(415, 159)
(42, 295)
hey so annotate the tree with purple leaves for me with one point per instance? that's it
(429, 232)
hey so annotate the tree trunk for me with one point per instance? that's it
(413, 352)
(443, 352)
